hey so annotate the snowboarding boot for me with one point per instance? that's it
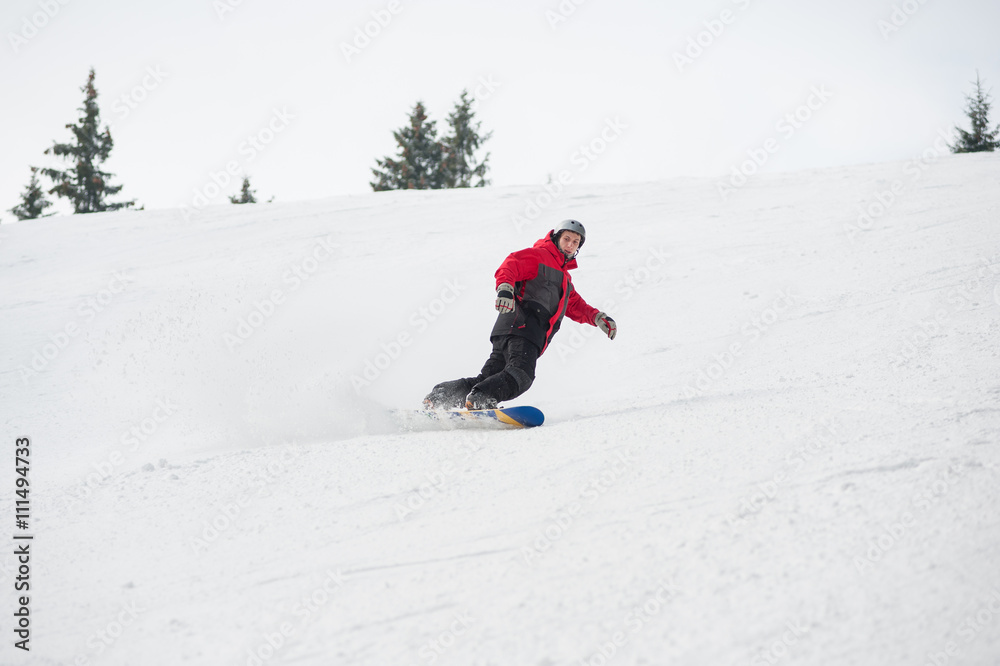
(479, 400)
(448, 395)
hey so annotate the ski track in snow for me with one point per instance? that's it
(789, 455)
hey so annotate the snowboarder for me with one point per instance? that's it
(534, 291)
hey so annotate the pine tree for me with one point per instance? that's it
(418, 166)
(33, 201)
(980, 139)
(461, 145)
(84, 184)
(246, 194)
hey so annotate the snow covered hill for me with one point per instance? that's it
(789, 455)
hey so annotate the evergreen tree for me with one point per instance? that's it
(980, 139)
(246, 194)
(84, 184)
(461, 145)
(418, 166)
(33, 201)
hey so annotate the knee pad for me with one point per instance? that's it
(521, 378)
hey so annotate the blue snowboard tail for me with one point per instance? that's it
(520, 417)
(503, 417)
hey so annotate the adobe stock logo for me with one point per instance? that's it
(48, 9)
(582, 158)
(699, 44)
(900, 16)
(129, 101)
(251, 148)
(363, 36)
(786, 127)
(562, 13)
(419, 322)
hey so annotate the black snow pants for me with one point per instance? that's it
(507, 373)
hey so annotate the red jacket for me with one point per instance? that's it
(543, 293)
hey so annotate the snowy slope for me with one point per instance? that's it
(788, 455)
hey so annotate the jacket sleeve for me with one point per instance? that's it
(518, 266)
(579, 311)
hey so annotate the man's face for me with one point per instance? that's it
(569, 242)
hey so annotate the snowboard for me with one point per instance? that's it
(502, 417)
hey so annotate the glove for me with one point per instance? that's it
(505, 298)
(606, 324)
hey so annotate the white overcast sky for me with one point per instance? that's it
(223, 75)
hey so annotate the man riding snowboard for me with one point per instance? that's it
(534, 291)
